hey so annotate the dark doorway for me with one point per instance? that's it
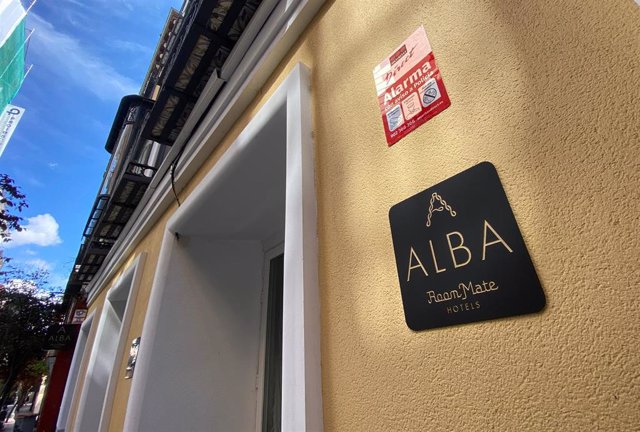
(272, 401)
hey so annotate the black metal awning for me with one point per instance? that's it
(123, 115)
(208, 33)
(130, 171)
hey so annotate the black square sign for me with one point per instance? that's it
(61, 336)
(460, 255)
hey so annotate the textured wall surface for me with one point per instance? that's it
(548, 92)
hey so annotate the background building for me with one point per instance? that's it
(14, 39)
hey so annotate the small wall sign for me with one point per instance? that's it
(409, 86)
(61, 336)
(79, 315)
(460, 255)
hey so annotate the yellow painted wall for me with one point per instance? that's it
(151, 245)
(548, 92)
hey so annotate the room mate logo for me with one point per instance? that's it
(460, 255)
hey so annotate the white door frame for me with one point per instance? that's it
(301, 377)
(92, 403)
(79, 358)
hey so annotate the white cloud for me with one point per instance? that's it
(54, 278)
(67, 57)
(34, 181)
(78, 4)
(40, 264)
(133, 47)
(41, 230)
(52, 165)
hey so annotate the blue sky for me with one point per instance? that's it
(87, 55)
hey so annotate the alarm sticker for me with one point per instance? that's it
(409, 87)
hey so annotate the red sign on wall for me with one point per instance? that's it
(410, 88)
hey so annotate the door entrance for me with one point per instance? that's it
(203, 340)
(272, 393)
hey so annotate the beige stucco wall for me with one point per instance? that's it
(547, 91)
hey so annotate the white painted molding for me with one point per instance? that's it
(301, 374)
(84, 367)
(74, 370)
(123, 343)
(96, 397)
(149, 334)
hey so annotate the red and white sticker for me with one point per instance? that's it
(410, 88)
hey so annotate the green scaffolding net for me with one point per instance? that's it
(12, 64)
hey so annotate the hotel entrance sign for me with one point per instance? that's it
(61, 336)
(460, 255)
(409, 86)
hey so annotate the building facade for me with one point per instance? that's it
(251, 249)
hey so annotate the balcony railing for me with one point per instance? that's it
(159, 60)
(134, 162)
(208, 32)
(90, 257)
